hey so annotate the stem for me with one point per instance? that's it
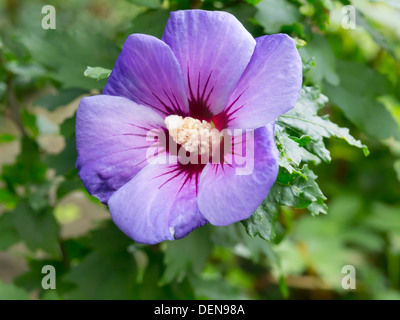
(64, 255)
(14, 106)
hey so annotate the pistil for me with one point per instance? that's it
(194, 135)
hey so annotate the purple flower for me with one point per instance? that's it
(206, 72)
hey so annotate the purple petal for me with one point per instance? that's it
(270, 85)
(148, 73)
(226, 196)
(111, 142)
(158, 204)
(213, 49)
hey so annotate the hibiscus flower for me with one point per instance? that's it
(206, 75)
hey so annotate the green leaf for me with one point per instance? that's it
(110, 270)
(69, 185)
(84, 48)
(392, 3)
(384, 218)
(61, 98)
(39, 196)
(29, 122)
(397, 169)
(318, 11)
(262, 222)
(375, 34)
(3, 89)
(8, 198)
(151, 22)
(77, 248)
(37, 124)
(6, 137)
(11, 292)
(291, 150)
(38, 230)
(302, 193)
(32, 279)
(272, 15)
(97, 73)
(103, 276)
(186, 255)
(154, 4)
(299, 137)
(392, 104)
(358, 99)
(28, 166)
(8, 233)
(244, 13)
(26, 71)
(253, 1)
(308, 64)
(297, 191)
(217, 290)
(304, 120)
(67, 128)
(64, 162)
(319, 52)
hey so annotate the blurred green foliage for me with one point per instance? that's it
(298, 240)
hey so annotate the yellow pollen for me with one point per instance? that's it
(194, 135)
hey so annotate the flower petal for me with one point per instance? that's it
(158, 204)
(111, 142)
(213, 49)
(148, 73)
(270, 85)
(227, 195)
